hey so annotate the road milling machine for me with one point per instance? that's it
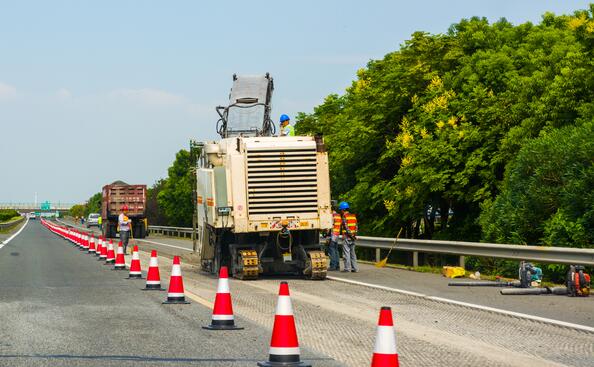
(262, 199)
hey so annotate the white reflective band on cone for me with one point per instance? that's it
(223, 286)
(153, 263)
(284, 306)
(385, 340)
(175, 295)
(284, 351)
(135, 256)
(153, 282)
(120, 250)
(176, 271)
(222, 317)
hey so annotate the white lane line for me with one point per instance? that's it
(469, 305)
(14, 235)
(134, 239)
(164, 244)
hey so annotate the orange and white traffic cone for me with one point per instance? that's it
(153, 278)
(384, 353)
(92, 248)
(85, 245)
(99, 247)
(284, 346)
(222, 313)
(120, 262)
(110, 259)
(103, 253)
(175, 293)
(135, 271)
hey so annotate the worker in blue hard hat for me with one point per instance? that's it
(345, 225)
(286, 128)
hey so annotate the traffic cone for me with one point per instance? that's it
(103, 254)
(120, 262)
(153, 278)
(110, 259)
(135, 271)
(99, 247)
(222, 313)
(175, 294)
(92, 249)
(384, 353)
(284, 346)
(85, 243)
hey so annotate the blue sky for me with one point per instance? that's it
(91, 92)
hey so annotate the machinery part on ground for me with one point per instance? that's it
(577, 281)
(246, 265)
(485, 284)
(529, 274)
(316, 266)
(524, 291)
(562, 291)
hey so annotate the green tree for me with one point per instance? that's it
(154, 213)
(175, 197)
(93, 205)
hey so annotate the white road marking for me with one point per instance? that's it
(14, 235)
(469, 305)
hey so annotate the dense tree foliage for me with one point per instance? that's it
(432, 128)
(93, 205)
(175, 198)
(154, 213)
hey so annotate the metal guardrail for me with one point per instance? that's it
(555, 255)
(13, 223)
(171, 231)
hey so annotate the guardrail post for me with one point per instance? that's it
(378, 254)
(415, 258)
(462, 262)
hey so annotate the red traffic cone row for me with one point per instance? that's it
(284, 346)
(384, 353)
(222, 313)
(153, 278)
(99, 247)
(175, 293)
(91, 249)
(103, 253)
(135, 271)
(120, 262)
(110, 259)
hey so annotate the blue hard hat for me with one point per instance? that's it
(343, 205)
(284, 118)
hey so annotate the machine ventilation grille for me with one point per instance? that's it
(282, 181)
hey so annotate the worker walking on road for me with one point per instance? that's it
(286, 128)
(345, 224)
(124, 223)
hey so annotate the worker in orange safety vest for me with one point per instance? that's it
(345, 225)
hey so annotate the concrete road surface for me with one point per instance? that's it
(60, 306)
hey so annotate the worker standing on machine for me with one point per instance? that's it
(124, 224)
(286, 128)
(347, 228)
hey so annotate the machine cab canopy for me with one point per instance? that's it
(248, 112)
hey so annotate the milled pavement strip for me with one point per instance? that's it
(469, 305)
(14, 235)
(440, 299)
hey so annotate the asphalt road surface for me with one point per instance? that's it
(60, 306)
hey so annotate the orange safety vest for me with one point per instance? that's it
(350, 220)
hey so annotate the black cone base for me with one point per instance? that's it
(283, 364)
(182, 302)
(153, 289)
(134, 277)
(222, 327)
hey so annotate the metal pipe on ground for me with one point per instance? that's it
(524, 291)
(485, 284)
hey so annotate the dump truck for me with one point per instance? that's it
(115, 196)
(262, 200)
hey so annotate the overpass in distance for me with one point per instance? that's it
(29, 207)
